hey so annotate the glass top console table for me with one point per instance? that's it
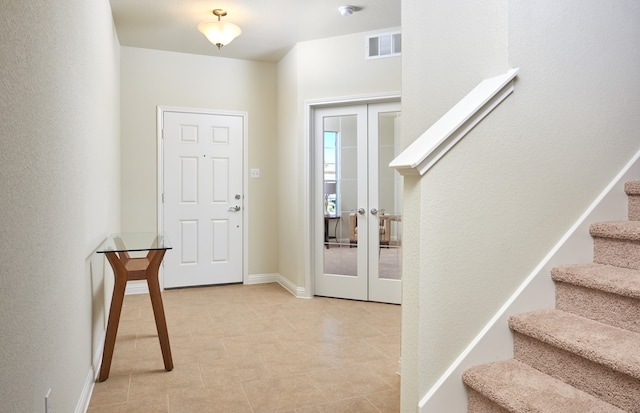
(117, 248)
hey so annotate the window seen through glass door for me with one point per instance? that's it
(331, 206)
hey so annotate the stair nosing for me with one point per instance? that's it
(602, 277)
(477, 378)
(623, 230)
(632, 188)
(588, 346)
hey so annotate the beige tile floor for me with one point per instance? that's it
(254, 348)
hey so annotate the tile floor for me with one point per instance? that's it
(254, 348)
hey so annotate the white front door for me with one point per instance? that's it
(203, 198)
(357, 218)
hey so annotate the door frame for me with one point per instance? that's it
(309, 159)
(245, 181)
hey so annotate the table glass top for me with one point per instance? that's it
(138, 241)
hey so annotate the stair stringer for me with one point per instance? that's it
(537, 292)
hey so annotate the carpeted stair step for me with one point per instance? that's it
(597, 358)
(633, 195)
(512, 386)
(616, 243)
(603, 293)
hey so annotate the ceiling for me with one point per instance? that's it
(269, 27)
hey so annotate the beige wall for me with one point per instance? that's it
(489, 211)
(152, 78)
(289, 261)
(315, 70)
(59, 148)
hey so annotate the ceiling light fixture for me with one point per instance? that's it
(218, 32)
(347, 10)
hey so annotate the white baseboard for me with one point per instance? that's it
(262, 278)
(140, 287)
(87, 390)
(90, 382)
(495, 341)
(298, 292)
(136, 287)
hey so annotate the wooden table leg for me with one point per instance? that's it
(155, 258)
(120, 284)
(122, 275)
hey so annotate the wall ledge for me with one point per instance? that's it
(433, 144)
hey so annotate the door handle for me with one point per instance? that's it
(361, 211)
(374, 211)
(234, 208)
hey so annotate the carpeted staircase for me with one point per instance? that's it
(584, 356)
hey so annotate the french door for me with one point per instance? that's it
(357, 213)
(203, 198)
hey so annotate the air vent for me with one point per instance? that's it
(384, 45)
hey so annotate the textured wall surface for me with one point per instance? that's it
(497, 203)
(59, 180)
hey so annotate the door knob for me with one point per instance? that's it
(361, 211)
(234, 209)
(374, 211)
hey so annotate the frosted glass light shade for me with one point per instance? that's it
(220, 33)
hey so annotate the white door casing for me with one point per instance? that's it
(364, 281)
(203, 197)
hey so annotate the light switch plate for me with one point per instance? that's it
(255, 173)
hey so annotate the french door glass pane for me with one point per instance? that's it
(390, 199)
(340, 190)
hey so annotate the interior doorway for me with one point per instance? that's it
(356, 215)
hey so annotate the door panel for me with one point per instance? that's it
(220, 181)
(220, 240)
(189, 180)
(340, 265)
(385, 196)
(203, 198)
(188, 242)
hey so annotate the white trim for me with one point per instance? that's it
(245, 179)
(87, 390)
(262, 278)
(432, 145)
(537, 292)
(245, 196)
(298, 292)
(309, 106)
(160, 190)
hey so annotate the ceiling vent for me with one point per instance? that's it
(384, 45)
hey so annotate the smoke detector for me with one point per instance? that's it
(347, 10)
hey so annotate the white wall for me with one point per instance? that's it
(152, 78)
(59, 179)
(315, 70)
(489, 211)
